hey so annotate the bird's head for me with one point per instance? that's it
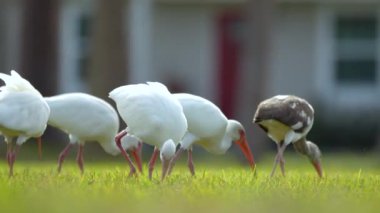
(167, 153)
(167, 150)
(314, 155)
(237, 132)
(134, 145)
(129, 142)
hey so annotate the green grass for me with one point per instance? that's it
(351, 184)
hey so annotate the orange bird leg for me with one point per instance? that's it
(175, 158)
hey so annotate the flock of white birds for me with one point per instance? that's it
(153, 116)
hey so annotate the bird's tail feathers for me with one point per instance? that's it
(15, 82)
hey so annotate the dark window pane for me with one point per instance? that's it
(83, 68)
(356, 71)
(84, 26)
(356, 27)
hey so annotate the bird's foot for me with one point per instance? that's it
(132, 172)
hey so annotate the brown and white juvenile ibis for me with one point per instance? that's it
(288, 119)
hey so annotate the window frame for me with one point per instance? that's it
(346, 80)
(335, 95)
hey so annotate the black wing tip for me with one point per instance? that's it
(256, 120)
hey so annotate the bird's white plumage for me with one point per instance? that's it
(207, 125)
(15, 83)
(151, 112)
(23, 111)
(129, 142)
(167, 150)
(86, 118)
(281, 97)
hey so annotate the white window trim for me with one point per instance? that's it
(334, 94)
(69, 45)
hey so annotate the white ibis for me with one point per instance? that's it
(154, 116)
(87, 118)
(209, 128)
(288, 119)
(23, 114)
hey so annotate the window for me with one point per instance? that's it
(356, 49)
(84, 25)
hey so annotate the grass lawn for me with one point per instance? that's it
(351, 184)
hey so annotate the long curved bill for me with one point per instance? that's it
(243, 144)
(39, 144)
(318, 168)
(165, 168)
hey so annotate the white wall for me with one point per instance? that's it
(292, 51)
(11, 24)
(140, 41)
(68, 79)
(69, 45)
(341, 98)
(185, 47)
(304, 55)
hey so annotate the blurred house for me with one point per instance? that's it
(324, 50)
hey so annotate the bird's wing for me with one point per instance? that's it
(291, 111)
(23, 111)
(82, 115)
(204, 119)
(150, 111)
(15, 82)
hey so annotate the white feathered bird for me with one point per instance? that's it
(209, 128)
(23, 113)
(86, 118)
(154, 116)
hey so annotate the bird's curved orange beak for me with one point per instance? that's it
(136, 155)
(318, 167)
(39, 144)
(243, 144)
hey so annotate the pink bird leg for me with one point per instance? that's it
(62, 156)
(190, 163)
(124, 153)
(80, 158)
(153, 161)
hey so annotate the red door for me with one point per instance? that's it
(229, 33)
